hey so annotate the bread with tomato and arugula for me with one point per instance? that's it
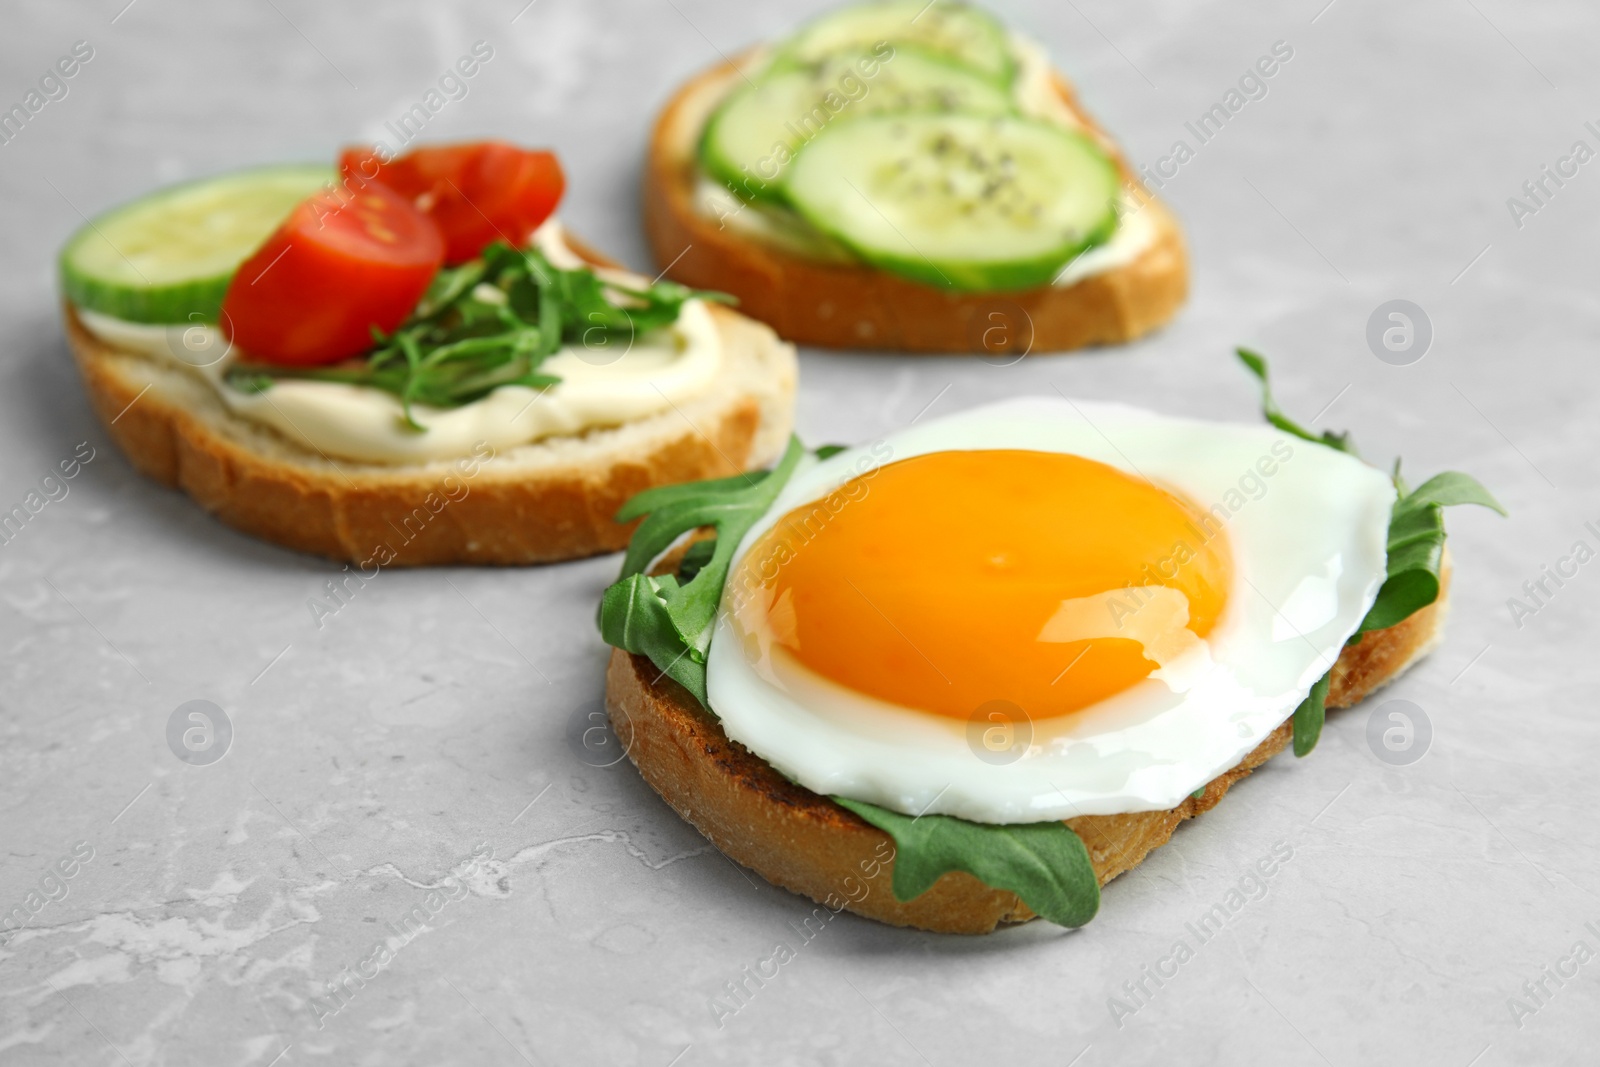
(912, 176)
(407, 360)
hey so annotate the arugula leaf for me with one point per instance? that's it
(1273, 414)
(1045, 864)
(1416, 545)
(695, 559)
(656, 617)
(632, 618)
(488, 323)
(1310, 715)
(1449, 488)
(1416, 525)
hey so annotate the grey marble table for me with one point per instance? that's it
(413, 750)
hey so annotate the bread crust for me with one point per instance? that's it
(507, 510)
(847, 305)
(809, 845)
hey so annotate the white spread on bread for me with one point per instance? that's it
(1035, 87)
(1037, 95)
(1135, 232)
(598, 388)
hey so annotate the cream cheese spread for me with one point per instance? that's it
(600, 386)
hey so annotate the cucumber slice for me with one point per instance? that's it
(752, 137)
(170, 256)
(966, 34)
(958, 201)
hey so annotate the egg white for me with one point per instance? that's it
(1308, 554)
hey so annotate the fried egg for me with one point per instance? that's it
(1043, 608)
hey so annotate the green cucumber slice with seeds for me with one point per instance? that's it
(958, 201)
(966, 34)
(169, 256)
(752, 137)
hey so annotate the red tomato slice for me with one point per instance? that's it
(343, 264)
(477, 192)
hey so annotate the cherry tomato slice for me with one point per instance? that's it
(344, 263)
(477, 192)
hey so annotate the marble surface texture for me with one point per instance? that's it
(414, 750)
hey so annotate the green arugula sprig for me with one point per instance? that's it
(1339, 442)
(667, 618)
(1415, 545)
(1309, 716)
(1045, 864)
(489, 323)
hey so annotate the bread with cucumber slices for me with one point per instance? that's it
(905, 176)
(146, 268)
(808, 844)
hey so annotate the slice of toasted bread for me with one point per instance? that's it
(849, 305)
(551, 500)
(806, 843)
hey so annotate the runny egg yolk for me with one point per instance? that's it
(952, 579)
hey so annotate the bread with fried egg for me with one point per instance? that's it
(809, 845)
